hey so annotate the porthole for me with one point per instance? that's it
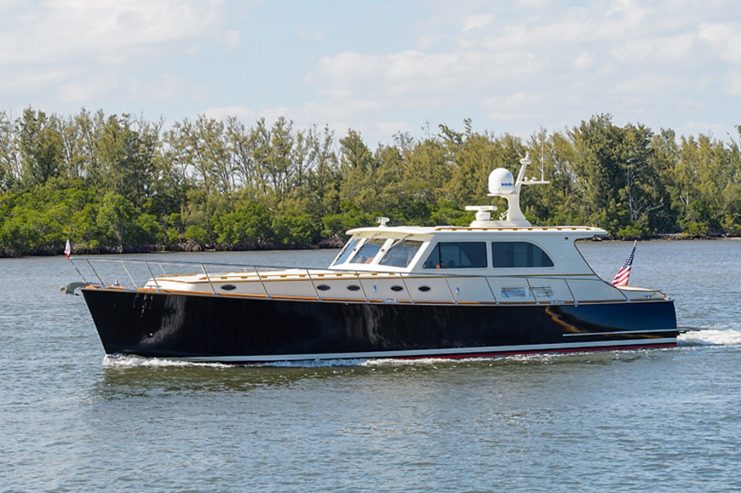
(397, 288)
(353, 287)
(323, 287)
(424, 289)
(228, 287)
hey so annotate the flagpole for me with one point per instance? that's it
(78, 270)
(622, 277)
(68, 256)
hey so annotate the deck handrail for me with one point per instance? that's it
(206, 270)
(435, 273)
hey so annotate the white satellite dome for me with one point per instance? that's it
(501, 182)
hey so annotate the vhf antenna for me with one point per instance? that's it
(542, 161)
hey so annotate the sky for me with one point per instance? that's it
(380, 67)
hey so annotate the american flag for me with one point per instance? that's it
(623, 274)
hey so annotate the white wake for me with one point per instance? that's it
(318, 363)
(131, 361)
(710, 337)
(698, 337)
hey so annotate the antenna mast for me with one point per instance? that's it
(542, 160)
(502, 184)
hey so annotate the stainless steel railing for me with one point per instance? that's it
(96, 271)
(125, 273)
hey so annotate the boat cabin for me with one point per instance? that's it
(467, 250)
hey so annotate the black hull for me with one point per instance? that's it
(240, 330)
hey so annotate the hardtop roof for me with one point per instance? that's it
(427, 232)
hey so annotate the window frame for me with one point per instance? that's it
(532, 246)
(438, 245)
(397, 242)
(383, 241)
(347, 249)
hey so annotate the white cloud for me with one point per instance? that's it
(416, 74)
(69, 29)
(349, 67)
(427, 40)
(646, 84)
(656, 50)
(724, 38)
(81, 52)
(535, 4)
(542, 62)
(517, 105)
(511, 65)
(28, 79)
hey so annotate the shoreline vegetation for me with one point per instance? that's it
(334, 243)
(121, 184)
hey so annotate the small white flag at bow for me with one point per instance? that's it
(623, 274)
(68, 250)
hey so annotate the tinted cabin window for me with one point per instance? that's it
(508, 254)
(401, 253)
(367, 252)
(457, 255)
(347, 251)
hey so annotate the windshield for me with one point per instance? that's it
(367, 252)
(401, 253)
(347, 251)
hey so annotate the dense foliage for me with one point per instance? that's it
(118, 183)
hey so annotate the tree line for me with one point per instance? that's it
(123, 183)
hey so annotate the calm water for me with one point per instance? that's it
(661, 420)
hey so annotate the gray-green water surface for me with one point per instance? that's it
(653, 420)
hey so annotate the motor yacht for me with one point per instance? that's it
(499, 286)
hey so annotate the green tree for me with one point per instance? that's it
(117, 181)
(40, 147)
(357, 165)
(125, 157)
(9, 158)
(117, 219)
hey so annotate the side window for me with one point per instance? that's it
(510, 254)
(457, 255)
(367, 252)
(345, 254)
(401, 253)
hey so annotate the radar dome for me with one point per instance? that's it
(501, 182)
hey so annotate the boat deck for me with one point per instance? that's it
(298, 283)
